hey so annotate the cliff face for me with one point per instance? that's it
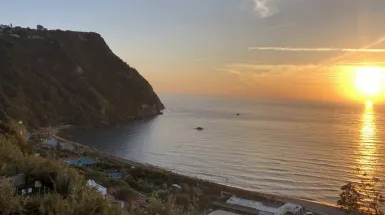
(57, 77)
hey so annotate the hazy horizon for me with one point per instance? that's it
(292, 49)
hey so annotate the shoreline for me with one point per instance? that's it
(316, 207)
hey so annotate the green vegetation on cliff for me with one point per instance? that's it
(58, 77)
(67, 192)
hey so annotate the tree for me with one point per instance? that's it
(39, 27)
(125, 194)
(362, 198)
(157, 206)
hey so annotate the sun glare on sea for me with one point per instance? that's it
(368, 80)
(368, 141)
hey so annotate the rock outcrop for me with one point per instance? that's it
(50, 78)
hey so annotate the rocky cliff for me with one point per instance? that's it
(50, 78)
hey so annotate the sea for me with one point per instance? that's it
(298, 149)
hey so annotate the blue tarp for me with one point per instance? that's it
(116, 175)
(82, 161)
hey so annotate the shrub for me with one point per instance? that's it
(157, 206)
(182, 199)
(9, 202)
(125, 193)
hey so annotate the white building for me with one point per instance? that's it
(99, 187)
(267, 210)
(292, 208)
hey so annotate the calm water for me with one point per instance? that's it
(297, 149)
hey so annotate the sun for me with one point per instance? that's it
(368, 80)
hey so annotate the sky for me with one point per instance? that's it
(292, 49)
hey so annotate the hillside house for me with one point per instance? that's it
(102, 190)
(115, 175)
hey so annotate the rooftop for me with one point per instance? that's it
(115, 175)
(290, 207)
(98, 187)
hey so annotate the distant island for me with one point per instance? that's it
(56, 77)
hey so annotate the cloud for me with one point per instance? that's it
(367, 63)
(367, 50)
(248, 73)
(265, 8)
(268, 68)
(337, 60)
(347, 54)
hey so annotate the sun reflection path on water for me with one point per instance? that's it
(368, 141)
